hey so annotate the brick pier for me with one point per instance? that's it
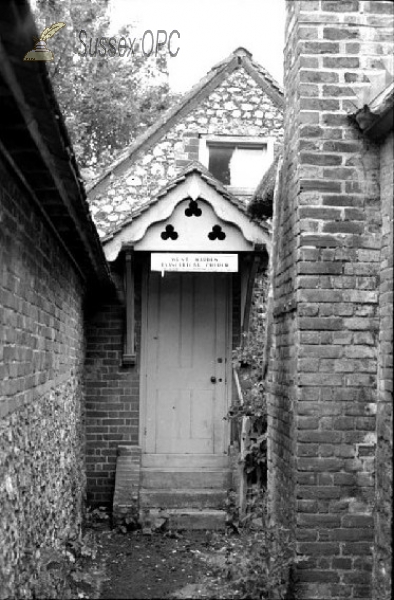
(323, 376)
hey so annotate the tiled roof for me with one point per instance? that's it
(193, 167)
(266, 78)
(240, 57)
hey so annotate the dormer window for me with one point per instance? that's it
(238, 162)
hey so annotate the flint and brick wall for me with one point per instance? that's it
(238, 106)
(323, 366)
(42, 478)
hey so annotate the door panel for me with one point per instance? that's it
(186, 335)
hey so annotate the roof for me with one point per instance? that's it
(143, 229)
(239, 58)
(261, 205)
(193, 167)
(35, 145)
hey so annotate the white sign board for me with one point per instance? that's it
(196, 263)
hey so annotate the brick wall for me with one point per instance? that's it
(384, 417)
(323, 366)
(41, 356)
(111, 390)
(282, 368)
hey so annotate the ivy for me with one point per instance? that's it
(247, 360)
(266, 569)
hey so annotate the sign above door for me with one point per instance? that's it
(194, 262)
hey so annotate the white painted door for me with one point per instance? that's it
(187, 320)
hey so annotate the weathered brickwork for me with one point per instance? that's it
(112, 394)
(236, 107)
(42, 479)
(384, 424)
(282, 367)
(323, 366)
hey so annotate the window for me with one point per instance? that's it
(237, 162)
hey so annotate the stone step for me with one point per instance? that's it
(201, 479)
(182, 499)
(185, 461)
(190, 519)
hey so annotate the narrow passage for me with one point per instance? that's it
(161, 565)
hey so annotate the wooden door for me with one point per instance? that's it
(186, 356)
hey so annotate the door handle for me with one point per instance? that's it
(213, 379)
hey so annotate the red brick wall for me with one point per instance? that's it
(323, 367)
(112, 393)
(42, 479)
